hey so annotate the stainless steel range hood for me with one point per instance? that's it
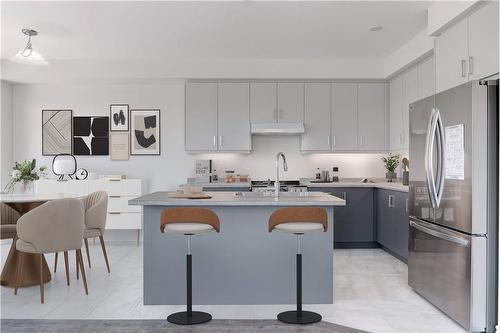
(277, 128)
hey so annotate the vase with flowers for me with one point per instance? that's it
(391, 162)
(22, 177)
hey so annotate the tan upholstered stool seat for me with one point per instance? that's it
(299, 227)
(188, 228)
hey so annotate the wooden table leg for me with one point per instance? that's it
(30, 272)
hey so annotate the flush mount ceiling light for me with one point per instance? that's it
(28, 56)
(375, 28)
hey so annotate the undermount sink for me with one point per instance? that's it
(271, 194)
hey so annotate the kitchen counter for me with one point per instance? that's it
(356, 183)
(231, 199)
(244, 263)
(222, 184)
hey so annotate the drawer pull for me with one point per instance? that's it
(115, 196)
(344, 196)
(114, 213)
(391, 201)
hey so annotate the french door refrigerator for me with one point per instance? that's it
(453, 202)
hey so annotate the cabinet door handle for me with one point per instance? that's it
(215, 141)
(328, 140)
(220, 140)
(275, 114)
(407, 209)
(344, 196)
(334, 141)
(391, 201)
(361, 140)
(463, 67)
(471, 65)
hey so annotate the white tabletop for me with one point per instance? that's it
(6, 198)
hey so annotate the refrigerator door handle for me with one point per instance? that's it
(429, 169)
(441, 158)
(439, 234)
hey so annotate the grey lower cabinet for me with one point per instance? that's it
(392, 222)
(354, 224)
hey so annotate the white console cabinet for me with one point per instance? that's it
(120, 214)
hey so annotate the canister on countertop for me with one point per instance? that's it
(229, 176)
(335, 174)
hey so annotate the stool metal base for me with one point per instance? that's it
(293, 317)
(182, 318)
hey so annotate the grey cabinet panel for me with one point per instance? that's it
(410, 95)
(353, 223)
(344, 116)
(234, 117)
(316, 117)
(201, 117)
(263, 107)
(392, 221)
(371, 116)
(290, 102)
(396, 113)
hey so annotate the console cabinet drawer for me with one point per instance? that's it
(118, 203)
(123, 221)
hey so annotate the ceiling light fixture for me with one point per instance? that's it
(28, 56)
(375, 28)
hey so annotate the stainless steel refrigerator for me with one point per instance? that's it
(453, 202)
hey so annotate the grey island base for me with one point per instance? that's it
(244, 263)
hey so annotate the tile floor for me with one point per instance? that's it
(371, 293)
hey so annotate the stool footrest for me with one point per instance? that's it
(302, 317)
(183, 318)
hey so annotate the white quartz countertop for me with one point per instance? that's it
(356, 183)
(231, 199)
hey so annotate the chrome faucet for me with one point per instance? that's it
(285, 168)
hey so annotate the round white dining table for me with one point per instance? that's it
(30, 272)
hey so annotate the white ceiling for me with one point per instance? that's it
(177, 30)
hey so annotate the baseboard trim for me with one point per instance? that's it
(356, 245)
(394, 254)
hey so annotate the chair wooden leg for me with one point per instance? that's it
(84, 278)
(18, 270)
(66, 265)
(87, 250)
(77, 266)
(55, 262)
(104, 252)
(40, 256)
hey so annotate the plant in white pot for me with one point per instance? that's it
(23, 175)
(391, 162)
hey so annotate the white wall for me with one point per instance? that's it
(173, 166)
(6, 122)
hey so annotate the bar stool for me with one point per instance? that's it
(188, 221)
(299, 221)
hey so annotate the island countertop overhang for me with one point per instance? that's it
(161, 198)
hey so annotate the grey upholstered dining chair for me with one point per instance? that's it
(55, 226)
(96, 206)
(8, 220)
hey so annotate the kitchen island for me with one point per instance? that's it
(244, 263)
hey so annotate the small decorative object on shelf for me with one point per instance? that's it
(406, 172)
(23, 175)
(391, 162)
(81, 174)
(64, 164)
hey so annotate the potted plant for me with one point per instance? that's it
(23, 175)
(391, 162)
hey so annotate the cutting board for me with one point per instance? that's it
(189, 195)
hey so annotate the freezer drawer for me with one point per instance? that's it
(439, 268)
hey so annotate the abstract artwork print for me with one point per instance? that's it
(56, 132)
(145, 132)
(118, 118)
(90, 135)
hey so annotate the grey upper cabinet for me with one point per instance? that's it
(426, 78)
(451, 52)
(410, 95)
(483, 41)
(201, 117)
(263, 102)
(396, 113)
(344, 116)
(290, 102)
(316, 118)
(234, 117)
(372, 116)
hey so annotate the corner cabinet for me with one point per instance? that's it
(469, 49)
(392, 222)
(217, 117)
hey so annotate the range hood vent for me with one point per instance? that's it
(277, 128)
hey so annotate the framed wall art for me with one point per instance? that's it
(91, 135)
(119, 118)
(57, 132)
(119, 146)
(145, 132)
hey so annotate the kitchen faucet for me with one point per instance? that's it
(285, 168)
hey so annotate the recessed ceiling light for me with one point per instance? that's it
(375, 28)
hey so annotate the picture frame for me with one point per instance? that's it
(119, 146)
(119, 118)
(91, 135)
(57, 132)
(145, 137)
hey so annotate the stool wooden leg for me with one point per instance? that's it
(66, 266)
(55, 262)
(18, 270)
(84, 278)
(40, 256)
(77, 265)
(101, 239)
(86, 241)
